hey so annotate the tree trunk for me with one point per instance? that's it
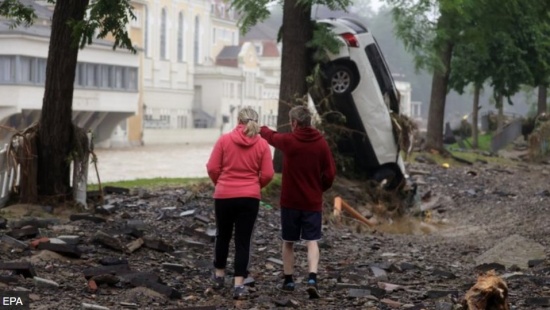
(55, 132)
(436, 112)
(475, 113)
(541, 106)
(500, 117)
(297, 30)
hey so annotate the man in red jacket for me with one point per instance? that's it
(308, 171)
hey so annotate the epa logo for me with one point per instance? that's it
(16, 300)
(12, 301)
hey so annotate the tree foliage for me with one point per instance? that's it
(18, 12)
(425, 26)
(504, 42)
(106, 17)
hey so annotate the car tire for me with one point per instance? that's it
(393, 178)
(340, 79)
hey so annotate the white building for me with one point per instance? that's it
(176, 89)
(241, 78)
(407, 107)
(106, 83)
(196, 75)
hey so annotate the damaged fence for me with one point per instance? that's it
(9, 176)
(10, 172)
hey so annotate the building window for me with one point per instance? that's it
(132, 78)
(106, 76)
(26, 69)
(7, 70)
(146, 31)
(119, 77)
(163, 41)
(91, 75)
(180, 37)
(80, 75)
(32, 70)
(197, 41)
(182, 121)
(41, 70)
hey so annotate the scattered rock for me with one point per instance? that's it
(157, 287)
(23, 233)
(158, 245)
(63, 249)
(101, 270)
(23, 268)
(174, 267)
(286, 303)
(87, 217)
(538, 301)
(93, 307)
(275, 261)
(45, 282)
(514, 250)
(109, 241)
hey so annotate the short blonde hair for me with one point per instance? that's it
(249, 117)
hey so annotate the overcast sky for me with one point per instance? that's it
(376, 4)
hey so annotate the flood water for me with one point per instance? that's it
(145, 162)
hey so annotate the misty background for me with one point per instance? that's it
(377, 16)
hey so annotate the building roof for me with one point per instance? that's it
(34, 30)
(37, 30)
(229, 52)
(270, 49)
(266, 30)
(41, 10)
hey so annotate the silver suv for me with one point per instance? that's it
(364, 91)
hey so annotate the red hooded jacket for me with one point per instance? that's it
(240, 165)
(308, 167)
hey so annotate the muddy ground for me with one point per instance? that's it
(427, 261)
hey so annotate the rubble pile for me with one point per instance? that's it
(153, 250)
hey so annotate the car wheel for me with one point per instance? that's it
(389, 176)
(340, 79)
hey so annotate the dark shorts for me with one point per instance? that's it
(300, 225)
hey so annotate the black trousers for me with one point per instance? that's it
(240, 213)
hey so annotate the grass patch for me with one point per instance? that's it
(473, 157)
(469, 156)
(274, 187)
(483, 143)
(152, 184)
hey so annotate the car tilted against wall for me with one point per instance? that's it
(363, 90)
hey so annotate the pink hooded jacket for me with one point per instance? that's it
(239, 165)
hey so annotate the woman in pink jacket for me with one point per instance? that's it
(240, 165)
